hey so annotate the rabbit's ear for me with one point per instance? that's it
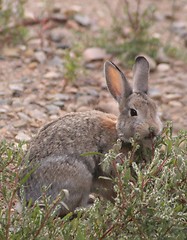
(116, 82)
(141, 74)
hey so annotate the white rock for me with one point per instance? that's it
(175, 104)
(59, 17)
(17, 87)
(163, 67)
(172, 96)
(82, 20)
(40, 56)
(155, 93)
(21, 136)
(52, 75)
(37, 114)
(52, 109)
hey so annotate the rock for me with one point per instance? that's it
(158, 16)
(71, 90)
(85, 100)
(94, 54)
(33, 65)
(5, 101)
(28, 15)
(74, 9)
(59, 103)
(36, 43)
(59, 97)
(89, 90)
(92, 92)
(52, 75)
(37, 114)
(52, 109)
(56, 61)
(83, 109)
(57, 34)
(24, 116)
(155, 93)
(108, 106)
(2, 93)
(11, 52)
(175, 104)
(19, 123)
(16, 88)
(40, 56)
(82, 20)
(72, 107)
(163, 67)
(94, 65)
(56, 8)
(179, 28)
(59, 17)
(73, 25)
(28, 53)
(17, 103)
(171, 97)
(169, 15)
(3, 110)
(21, 136)
(61, 46)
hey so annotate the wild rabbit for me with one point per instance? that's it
(56, 153)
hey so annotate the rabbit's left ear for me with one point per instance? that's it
(141, 74)
(117, 83)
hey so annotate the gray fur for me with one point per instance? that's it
(141, 74)
(56, 151)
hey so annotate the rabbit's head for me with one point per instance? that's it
(138, 112)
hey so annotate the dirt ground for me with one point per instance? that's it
(32, 78)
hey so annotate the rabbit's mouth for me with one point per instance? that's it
(151, 136)
(150, 139)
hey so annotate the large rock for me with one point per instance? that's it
(82, 20)
(94, 54)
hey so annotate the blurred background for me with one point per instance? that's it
(52, 55)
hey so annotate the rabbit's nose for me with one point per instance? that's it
(153, 132)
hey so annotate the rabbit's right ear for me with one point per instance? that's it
(141, 74)
(116, 81)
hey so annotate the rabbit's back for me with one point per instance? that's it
(74, 134)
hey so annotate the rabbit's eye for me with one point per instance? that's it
(133, 112)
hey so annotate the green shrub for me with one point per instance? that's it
(138, 21)
(11, 15)
(151, 206)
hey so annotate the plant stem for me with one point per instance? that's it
(45, 218)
